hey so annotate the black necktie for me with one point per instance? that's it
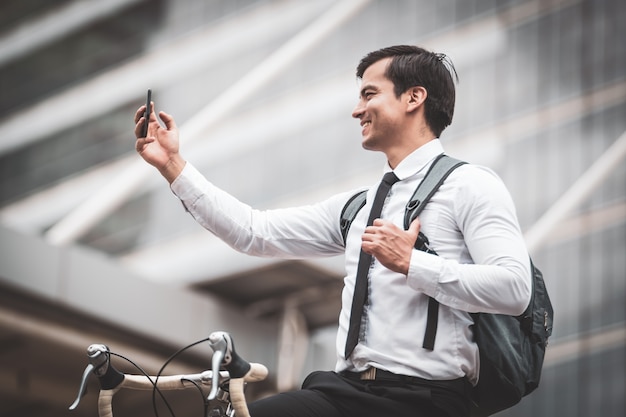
(365, 260)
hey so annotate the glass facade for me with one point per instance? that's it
(541, 100)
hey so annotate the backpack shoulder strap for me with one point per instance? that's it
(349, 212)
(440, 169)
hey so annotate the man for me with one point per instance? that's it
(406, 100)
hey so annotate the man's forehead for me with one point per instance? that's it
(376, 70)
(374, 76)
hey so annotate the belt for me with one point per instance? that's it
(375, 374)
(460, 385)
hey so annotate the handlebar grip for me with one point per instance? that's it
(137, 382)
(257, 372)
(237, 397)
(142, 382)
(104, 402)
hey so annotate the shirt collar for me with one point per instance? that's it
(416, 161)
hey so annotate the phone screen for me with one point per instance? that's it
(144, 130)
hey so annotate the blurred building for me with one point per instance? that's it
(95, 248)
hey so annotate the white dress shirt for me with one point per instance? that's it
(483, 263)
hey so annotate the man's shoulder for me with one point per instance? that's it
(478, 186)
(473, 174)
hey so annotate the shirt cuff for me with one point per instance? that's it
(186, 185)
(424, 272)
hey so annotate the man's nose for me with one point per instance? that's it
(358, 111)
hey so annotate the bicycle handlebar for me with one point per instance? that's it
(238, 370)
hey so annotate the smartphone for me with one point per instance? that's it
(146, 120)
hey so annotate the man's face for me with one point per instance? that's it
(379, 110)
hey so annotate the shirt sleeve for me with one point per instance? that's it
(305, 231)
(498, 280)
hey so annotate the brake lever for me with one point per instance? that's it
(219, 342)
(83, 386)
(225, 356)
(100, 365)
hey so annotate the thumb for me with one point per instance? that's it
(414, 228)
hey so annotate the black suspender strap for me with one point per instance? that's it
(431, 324)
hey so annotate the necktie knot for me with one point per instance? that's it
(390, 178)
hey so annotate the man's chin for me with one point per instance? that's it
(369, 145)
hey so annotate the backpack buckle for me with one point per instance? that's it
(422, 243)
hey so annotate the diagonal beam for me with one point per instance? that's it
(604, 166)
(575, 347)
(155, 69)
(26, 215)
(78, 222)
(54, 25)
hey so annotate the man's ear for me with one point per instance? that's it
(416, 97)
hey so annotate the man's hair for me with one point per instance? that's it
(412, 66)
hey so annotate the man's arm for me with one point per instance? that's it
(499, 279)
(493, 275)
(296, 232)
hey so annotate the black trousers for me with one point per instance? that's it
(328, 394)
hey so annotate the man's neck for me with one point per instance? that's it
(397, 155)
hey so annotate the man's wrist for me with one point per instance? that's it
(173, 168)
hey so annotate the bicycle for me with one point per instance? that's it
(226, 379)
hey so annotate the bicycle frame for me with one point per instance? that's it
(236, 372)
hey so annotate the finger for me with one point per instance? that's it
(170, 124)
(371, 230)
(138, 124)
(139, 127)
(367, 240)
(139, 113)
(140, 144)
(415, 226)
(367, 237)
(139, 130)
